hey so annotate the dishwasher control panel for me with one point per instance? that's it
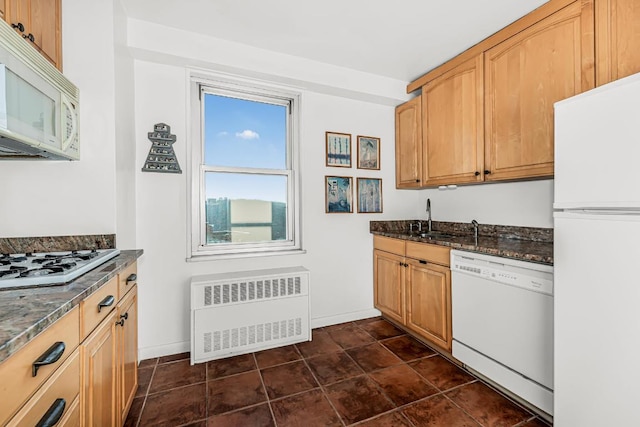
(522, 274)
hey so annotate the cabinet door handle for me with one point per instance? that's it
(417, 180)
(107, 302)
(19, 26)
(487, 172)
(29, 37)
(421, 261)
(477, 173)
(132, 278)
(52, 355)
(125, 316)
(53, 414)
(120, 322)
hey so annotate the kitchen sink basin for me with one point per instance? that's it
(434, 235)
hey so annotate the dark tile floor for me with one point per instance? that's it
(365, 373)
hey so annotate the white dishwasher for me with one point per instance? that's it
(503, 323)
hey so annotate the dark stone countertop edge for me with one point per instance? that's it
(532, 244)
(82, 287)
(532, 251)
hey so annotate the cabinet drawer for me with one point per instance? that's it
(127, 279)
(387, 244)
(432, 253)
(97, 306)
(18, 382)
(72, 416)
(63, 384)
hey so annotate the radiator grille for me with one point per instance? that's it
(235, 292)
(250, 311)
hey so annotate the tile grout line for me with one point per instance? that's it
(264, 389)
(146, 395)
(321, 386)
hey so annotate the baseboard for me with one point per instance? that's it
(164, 350)
(320, 322)
(183, 347)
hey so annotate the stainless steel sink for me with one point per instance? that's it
(434, 235)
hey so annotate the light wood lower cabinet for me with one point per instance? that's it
(388, 276)
(99, 377)
(412, 287)
(110, 362)
(53, 403)
(83, 369)
(429, 302)
(127, 335)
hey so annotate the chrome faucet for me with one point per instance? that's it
(475, 230)
(429, 217)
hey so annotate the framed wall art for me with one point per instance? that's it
(338, 194)
(338, 149)
(368, 152)
(369, 195)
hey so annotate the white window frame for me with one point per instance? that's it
(242, 89)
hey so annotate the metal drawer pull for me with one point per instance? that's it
(107, 302)
(52, 355)
(53, 415)
(132, 278)
(421, 261)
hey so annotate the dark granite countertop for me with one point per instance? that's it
(24, 313)
(521, 243)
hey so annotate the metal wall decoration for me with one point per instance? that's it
(161, 156)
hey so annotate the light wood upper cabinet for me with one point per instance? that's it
(429, 302)
(617, 39)
(452, 125)
(38, 21)
(524, 76)
(409, 144)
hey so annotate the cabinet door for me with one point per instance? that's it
(524, 75)
(617, 39)
(452, 125)
(127, 331)
(409, 144)
(99, 383)
(45, 27)
(40, 19)
(388, 278)
(429, 302)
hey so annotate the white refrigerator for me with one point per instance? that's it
(597, 257)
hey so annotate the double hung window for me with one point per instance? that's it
(244, 164)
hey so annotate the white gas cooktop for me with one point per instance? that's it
(50, 268)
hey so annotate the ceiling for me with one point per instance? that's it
(400, 39)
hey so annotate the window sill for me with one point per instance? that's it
(239, 255)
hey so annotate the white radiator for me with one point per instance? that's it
(247, 311)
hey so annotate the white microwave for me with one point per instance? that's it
(38, 105)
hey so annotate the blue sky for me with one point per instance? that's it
(245, 134)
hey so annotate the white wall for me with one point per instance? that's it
(56, 198)
(338, 246)
(126, 162)
(122, 98)
(527, 204)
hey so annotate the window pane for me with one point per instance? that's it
(243, 133)
(245, 208)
